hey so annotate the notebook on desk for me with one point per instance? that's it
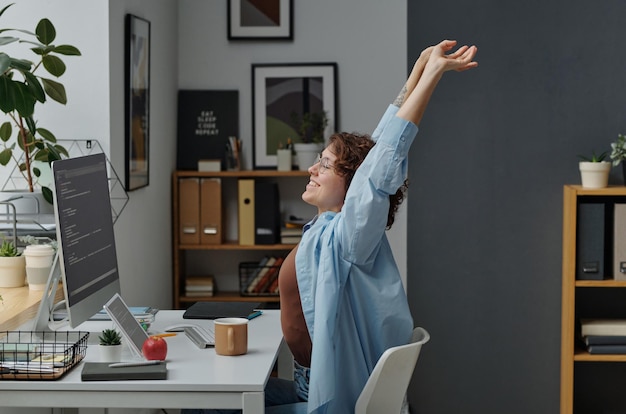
(214, 310)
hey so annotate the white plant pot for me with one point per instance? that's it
(306, 154)
(12, 272)
(594, 174)
(110, 353)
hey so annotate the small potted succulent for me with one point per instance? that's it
(311, 127)
(594, 170)
(110, 345)
(12, 266)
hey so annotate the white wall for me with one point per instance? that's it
(367, 39)
(95, 109)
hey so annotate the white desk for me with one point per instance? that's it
(197, 378)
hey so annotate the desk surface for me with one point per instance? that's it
(20, 305)
(197, 378)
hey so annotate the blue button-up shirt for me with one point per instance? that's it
(352, 296)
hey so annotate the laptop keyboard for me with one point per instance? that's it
(203, 338)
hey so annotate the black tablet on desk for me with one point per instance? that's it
(214, 310)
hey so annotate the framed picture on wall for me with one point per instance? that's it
(281, 95)
(260, 20)
(137, 89)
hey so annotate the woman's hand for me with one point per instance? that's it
(460, 60)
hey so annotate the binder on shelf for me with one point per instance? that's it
(211, 220)
(591, 242)
(266, 213)
(619, 242)
(246, 207)
(189, 210)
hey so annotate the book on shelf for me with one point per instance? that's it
(290, 239)
(602, 327)
(269, 277)
(290, 235)
(199, 286)
(607, 349)
(605, 340)
(263, 269)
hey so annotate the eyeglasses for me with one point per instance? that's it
(324, 164)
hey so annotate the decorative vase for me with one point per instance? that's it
(594, 174)
(110, 353)
(306, 154)
(12, 271)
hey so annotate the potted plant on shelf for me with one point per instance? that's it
(618, 153)
(594, 171)
(20, 90)
(110, 345)
(310, 127)
(12, 266)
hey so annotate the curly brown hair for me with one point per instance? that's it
(351, 149)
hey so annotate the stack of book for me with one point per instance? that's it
(260, 278)
(199, 286)
(290, 235)
(604, 336)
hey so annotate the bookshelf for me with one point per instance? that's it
(584, 298)
(222, 260)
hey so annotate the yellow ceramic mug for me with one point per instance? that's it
(231, 336)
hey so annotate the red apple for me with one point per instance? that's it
(154, 348)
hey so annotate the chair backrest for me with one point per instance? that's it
(385, 389)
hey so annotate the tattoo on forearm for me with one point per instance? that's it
(400, 98)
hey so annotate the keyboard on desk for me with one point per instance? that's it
(202, 337)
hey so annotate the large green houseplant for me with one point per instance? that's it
(21, 87)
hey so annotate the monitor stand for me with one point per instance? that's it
(44, 318)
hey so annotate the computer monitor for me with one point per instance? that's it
(86, 256)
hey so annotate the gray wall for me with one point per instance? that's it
(485, 219)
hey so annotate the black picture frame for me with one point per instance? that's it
(278, 90)
(267, 20)
(137, 89)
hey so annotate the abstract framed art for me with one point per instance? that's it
(260, 19)
(137, 88)
(281, 92)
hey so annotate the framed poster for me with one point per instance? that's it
(137, 89)
(283, 92)
(206, 120)
(260, 19)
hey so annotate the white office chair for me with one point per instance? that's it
(386, 387)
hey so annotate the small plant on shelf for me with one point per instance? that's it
(594, 157)
(618, 150)
(8, 249)
(110, 337)
(310, 126)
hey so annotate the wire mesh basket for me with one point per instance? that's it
(39, 355)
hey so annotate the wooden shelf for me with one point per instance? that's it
(236, 246)
(608, 283)
(230, 297)
(582, 355)
(222, 266)
(242, 174)
(570, 352)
